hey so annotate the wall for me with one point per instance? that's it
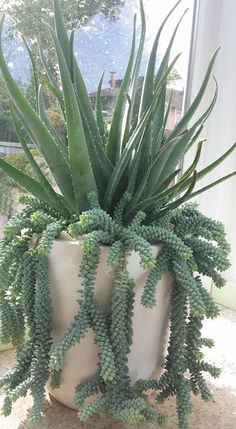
(215, 26)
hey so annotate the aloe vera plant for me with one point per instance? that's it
(109, 165)
(122, 187)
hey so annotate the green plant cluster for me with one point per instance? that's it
(133, 155)
(6, 197)
(191, 245)
(9, 187)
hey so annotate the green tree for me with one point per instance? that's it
(29, 16)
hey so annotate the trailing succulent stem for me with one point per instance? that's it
(187, 238)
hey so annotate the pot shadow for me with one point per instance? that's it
(217, 414)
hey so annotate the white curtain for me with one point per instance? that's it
(215, 25)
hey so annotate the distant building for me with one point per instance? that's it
(109, 95)
(176, 109)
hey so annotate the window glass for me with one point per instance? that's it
(101, 44)
(104, 45)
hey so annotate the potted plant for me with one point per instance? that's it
(119, 200)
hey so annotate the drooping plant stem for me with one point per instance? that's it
(192, 244)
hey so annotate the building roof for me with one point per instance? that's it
(106, 92)
(177, 102)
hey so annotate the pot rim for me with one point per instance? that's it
(77, 241)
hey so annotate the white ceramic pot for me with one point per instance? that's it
(150, 325)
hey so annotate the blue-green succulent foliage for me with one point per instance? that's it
(192, 244)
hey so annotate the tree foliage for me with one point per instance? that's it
(29, 16)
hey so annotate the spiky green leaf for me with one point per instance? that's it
(45, 142)
(82, 177)
(114, 146)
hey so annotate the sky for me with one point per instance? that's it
(156, 11)
(103, 45)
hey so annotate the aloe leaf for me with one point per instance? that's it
(79, 83)
(145, 146)
(56, 92)
(158, 93)
(139, 174)
(25, 181)
(121, 165)
(142, 206)
(80, 166)
(152, 201)
(101, 173)
(135, 140)
(177, 202)
(158, 125)
(82, 96)
(158, 122)
(46, 67)
(184, 198)
(98, 108)
(145, 149)
(96, 152)
(25, 126)
(184, 142)
(168, 181)
(148, 85)
(44, 117)
(192, 109)
(202, 173)
(166, 57)
(89, 114)
(161, 115)
(189, 171)
(142, 183)
(127, 156)
(71, 68)
(193, 166)
(51, 82)
(215, 164)
(215, 183)
(157, 145)
(150, 177)
(114, 145)
(84, 101)
(129, 109)
(61, 32)
(101, 165)
(133, 171)
(34, 70)
(55, 201)
(96, 147)
(184, 181)
(211, 185)
(42, 137)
